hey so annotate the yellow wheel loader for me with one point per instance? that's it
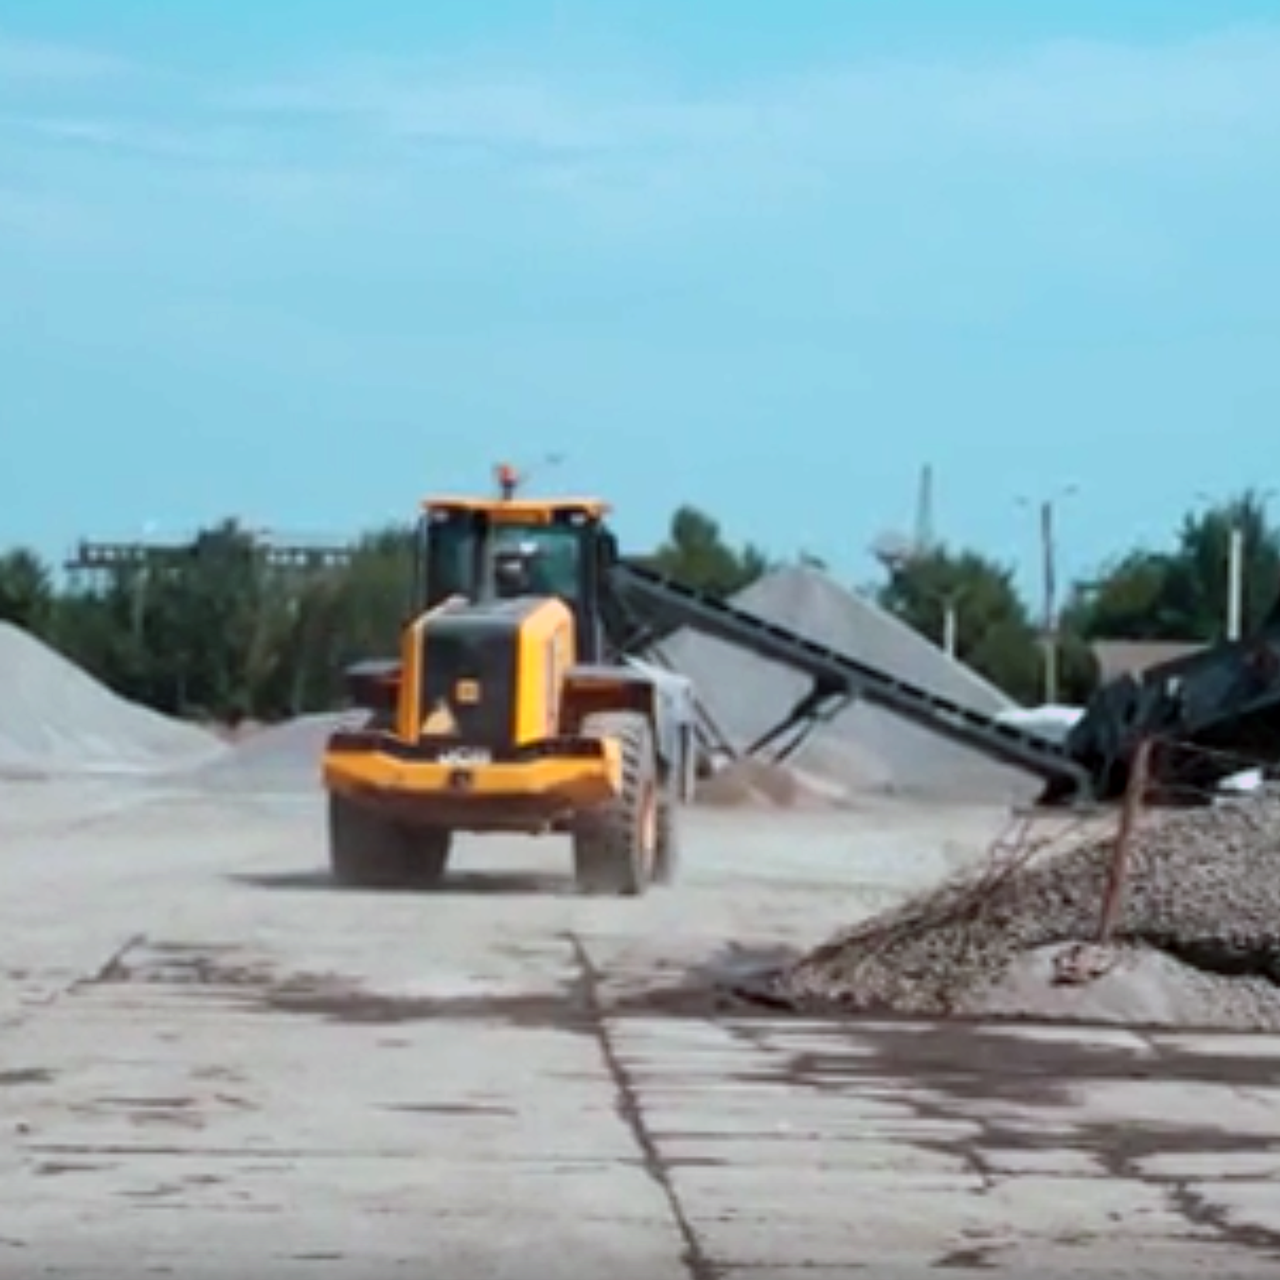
(509, 711)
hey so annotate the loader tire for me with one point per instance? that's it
(368, 851)
(615, 846)
(666, 859)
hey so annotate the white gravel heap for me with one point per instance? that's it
(57, 719)
(865, 748)
(1197, 939)
(283, 758)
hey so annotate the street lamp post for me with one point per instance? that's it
(1235, 580)
(949, 627)
(950, 601)
(1049, 569)
(1235, 566)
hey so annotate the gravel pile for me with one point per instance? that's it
(57, 719)
(282, 758)
(865, 749)
(1197, 940)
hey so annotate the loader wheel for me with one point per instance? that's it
(368, 851)
(615, 847)
(666, 858)
(429, 855)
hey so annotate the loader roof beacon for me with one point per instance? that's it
(508, 708)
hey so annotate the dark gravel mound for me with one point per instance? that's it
(1197, 939)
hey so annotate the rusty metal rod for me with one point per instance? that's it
(1134, 795)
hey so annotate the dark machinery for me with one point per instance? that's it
(1210, 714)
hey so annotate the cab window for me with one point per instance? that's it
(544, 560)
(448, 558)
(536, 559)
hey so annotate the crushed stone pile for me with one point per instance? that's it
(57, 719)
(864, 749)
(279, 758)
(1197, 942)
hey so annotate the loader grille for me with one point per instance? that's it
(479, 651)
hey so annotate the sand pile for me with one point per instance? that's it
(56, 718)
(1198, 938)
(865, 748)
(748, 782)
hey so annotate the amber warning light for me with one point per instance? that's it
(507, 479)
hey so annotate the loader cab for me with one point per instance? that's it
(499, 549)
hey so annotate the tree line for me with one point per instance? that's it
(221, 630)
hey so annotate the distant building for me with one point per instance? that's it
(1132, 657)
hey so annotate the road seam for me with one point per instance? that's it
(631, 1111)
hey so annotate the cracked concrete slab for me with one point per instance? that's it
(214, 1062)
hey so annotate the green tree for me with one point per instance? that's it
(1129, 600)
(195, 631)
(211, 625)
(1181, 593)
(99, 629)
(26, 591)
(355, 612)
(993, 633)
(696, 554)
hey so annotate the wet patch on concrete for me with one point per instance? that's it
(457, 883)
(335, 999)
(948, 1076)
(163, 1191)
(251, 983)
(57, 1168)
(972, 1258)
(148, 1104)
(730, 985)
(448, 1109)
(978, 1063)
(143, 961)
(21, 1076)
(945, 1070)
(1198, 1211)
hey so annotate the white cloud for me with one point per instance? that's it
(40, 61)
(1212, 99)
(626, 156)
(1079, 100)
(47, 220)
(426, 103)
(122, 134)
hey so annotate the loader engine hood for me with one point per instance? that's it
(488, 673)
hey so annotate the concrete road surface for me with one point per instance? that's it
(214, 1065)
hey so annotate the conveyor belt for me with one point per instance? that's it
(669, 605)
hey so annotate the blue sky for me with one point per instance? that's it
(308, 261)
